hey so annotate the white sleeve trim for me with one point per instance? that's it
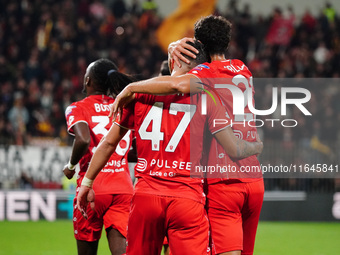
(220, 129)
(123, 126)
(68, 129)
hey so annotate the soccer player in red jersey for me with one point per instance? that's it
(167, 201)
(234, 201)
(87, 120)
(239, 194)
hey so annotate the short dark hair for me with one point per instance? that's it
(214, 32)
(107, 78)
(201, 56)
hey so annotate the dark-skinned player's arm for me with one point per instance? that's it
(237, 148)
(161, 85)
(80, 145)
(106, 147)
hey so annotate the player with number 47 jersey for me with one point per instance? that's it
(169, 138)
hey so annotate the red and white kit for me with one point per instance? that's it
(113, 186)
(167, 201)
(234, 197)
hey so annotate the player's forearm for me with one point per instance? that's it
(100, 158)
(235, 147)
(78, 150)
(162, 85)
(167, 85)
(246, 149)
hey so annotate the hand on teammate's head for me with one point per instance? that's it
(180, 47)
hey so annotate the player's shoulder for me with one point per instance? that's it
(81, 102)
(240, 65)
(237, 61)
(70, 108)
(201, 69)
(80, 105)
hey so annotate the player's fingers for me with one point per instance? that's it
(120, 114)
(177, 62)
(180, 54)
(92, 205)
(83, 212)
(111, 112)
(188, 52)
(189, 39)
(184, 44)
(184, 59)
(81, 209)
(113, 109)
(185, 40)
(115, 116)
(190, 48)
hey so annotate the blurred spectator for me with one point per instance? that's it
(149, 5)
(321, 53)
(118, 8)
(7, 136)
(25, 182)
(329, 12)
(19, 117)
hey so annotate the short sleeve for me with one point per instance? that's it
(74, 114)
(217, 116)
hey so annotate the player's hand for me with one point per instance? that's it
(85, 196)
(68, 173)
(176, 49)
(121, 100)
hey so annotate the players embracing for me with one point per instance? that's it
(234, 200)
(167, 201)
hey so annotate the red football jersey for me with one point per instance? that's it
(169, 134)
(114, 178)
(232, 81)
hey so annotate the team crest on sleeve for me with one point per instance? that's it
(68, 110)
(70, 120)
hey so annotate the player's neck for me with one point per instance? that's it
(96, 93)
(217, 57)
(177, 72)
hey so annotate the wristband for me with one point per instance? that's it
(87, 182)
(70, 166)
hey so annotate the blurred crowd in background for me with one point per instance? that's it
(46, 45)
